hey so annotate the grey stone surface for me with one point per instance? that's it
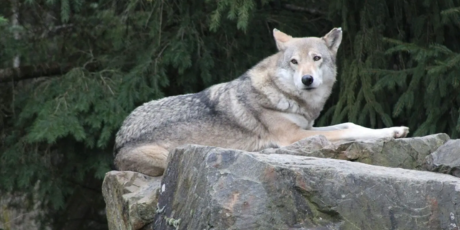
(409, 153)
(446, 159)
(131, 199)
(213, 188)
(296, 188)
(19, 213)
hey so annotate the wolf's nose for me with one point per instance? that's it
(307, 80)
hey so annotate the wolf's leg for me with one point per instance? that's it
(291, 136)
(359, 132)
(146, 159)
(347, 125)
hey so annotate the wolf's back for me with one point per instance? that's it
(205, 118)
(159, 119)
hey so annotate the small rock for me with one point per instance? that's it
(406, 153)
(131, 199)
(446, 159)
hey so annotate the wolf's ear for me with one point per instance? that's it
(281, 39)
(333, 39)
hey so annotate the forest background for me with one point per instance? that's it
(72, 70)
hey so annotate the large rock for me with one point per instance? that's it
(286, 188)
(131, 199)
(409, 153)
(446, 159)
(213, 188)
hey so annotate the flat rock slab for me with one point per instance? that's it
(214, 188)
(130, 198)
(446, 159)
(409, 153)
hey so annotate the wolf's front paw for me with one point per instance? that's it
(398, 132)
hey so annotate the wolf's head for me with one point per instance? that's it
(308, 63)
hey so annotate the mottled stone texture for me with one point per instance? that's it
(18, 213)
(213, 188)
(409, 153)
(446, 159)
(131, 199)
(312, 184)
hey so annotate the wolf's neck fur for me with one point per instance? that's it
(274, 84)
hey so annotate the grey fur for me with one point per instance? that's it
(183, 119)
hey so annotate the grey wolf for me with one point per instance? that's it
(273, 104)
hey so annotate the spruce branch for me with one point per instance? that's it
(40, 70)
(304, 9)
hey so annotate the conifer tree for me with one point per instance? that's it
(401, 66)
(85, 65)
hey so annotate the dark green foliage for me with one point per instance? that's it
(398, 65)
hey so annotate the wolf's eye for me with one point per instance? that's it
(293, 61)
(316, 58)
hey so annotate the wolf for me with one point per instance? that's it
(273, 104)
